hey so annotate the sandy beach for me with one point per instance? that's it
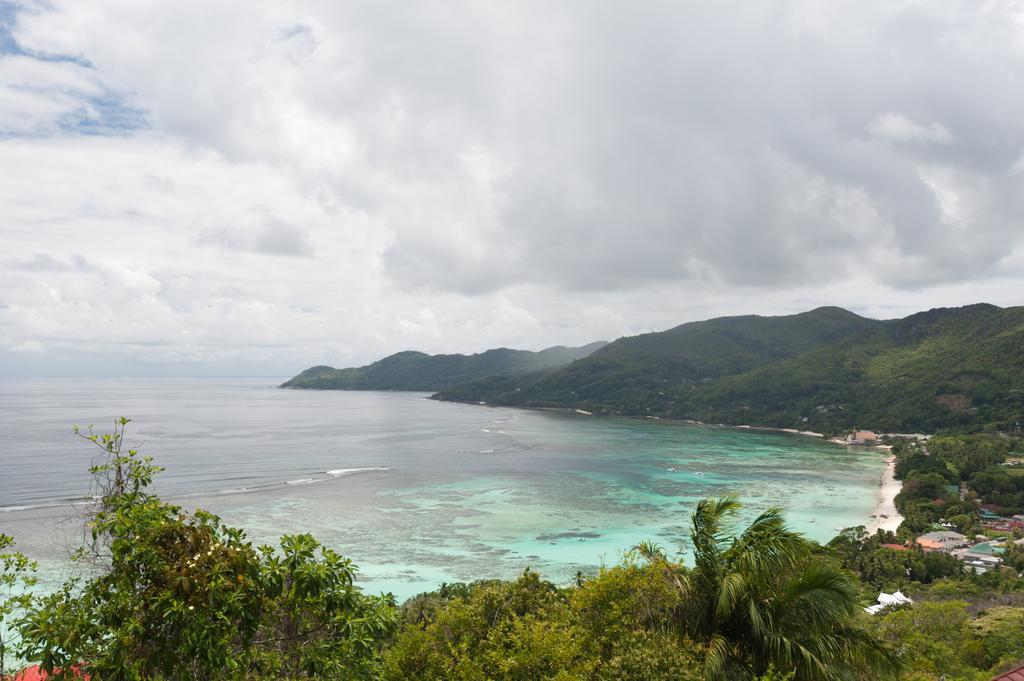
(887, 491)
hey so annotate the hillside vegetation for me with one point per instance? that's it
(419, 371)
(827, 370)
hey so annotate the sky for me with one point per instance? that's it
(220, 187)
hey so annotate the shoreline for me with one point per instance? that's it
(888, 488)
(888, 485)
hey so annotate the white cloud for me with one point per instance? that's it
(38, 95)
(325, 182)
(900, 128)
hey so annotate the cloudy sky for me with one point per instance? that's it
(239, 187)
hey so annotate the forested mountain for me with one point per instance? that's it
(827, 369)
(418, 371)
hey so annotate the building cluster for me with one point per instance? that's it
(862, 437)
(981, 556)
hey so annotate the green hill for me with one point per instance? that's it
(429, 373)
(827, 369)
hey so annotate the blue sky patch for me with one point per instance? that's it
(105, 114)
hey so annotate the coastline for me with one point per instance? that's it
(888, 488)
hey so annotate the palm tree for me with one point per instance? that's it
(761, 600)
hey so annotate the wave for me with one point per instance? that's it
(257, 487)
(30, 507)
(339, 472)
(48, 504)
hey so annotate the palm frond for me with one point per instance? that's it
(767, 547)
(651, 552)
(731, 593)
(708, 532)
(762, 599)
(817, 597)
(716, 658)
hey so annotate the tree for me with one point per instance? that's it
(616, 626)
(17, 577)
(315, 622)
(933, 639)
(179, 595)
(761, 599)
(921, 486)
(521, 630)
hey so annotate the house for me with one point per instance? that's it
(862, 437)
(989, 548)
(945, 541)
(980, 563)
(988, 514)
(982, 557)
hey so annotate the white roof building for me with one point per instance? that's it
(885, 600)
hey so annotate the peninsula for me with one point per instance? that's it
(417, 371)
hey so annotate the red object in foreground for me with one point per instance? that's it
(1012, 675)
(34, 673)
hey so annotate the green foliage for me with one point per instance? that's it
(959, 368)
(886, 569)
(762, 599)
(630, 613)
(1001, 632)
(616, 626)
(429, 373)
(315, 622)
(934, 641)
(948, 478)
(961, 626)
(16, 581)
(181, 596)
(518, 630)
(921, 486)
(759, 605)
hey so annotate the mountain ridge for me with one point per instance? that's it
(418, 371)
(827, 369)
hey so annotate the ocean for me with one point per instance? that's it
(416, 492)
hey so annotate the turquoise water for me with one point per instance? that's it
(416, 492)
